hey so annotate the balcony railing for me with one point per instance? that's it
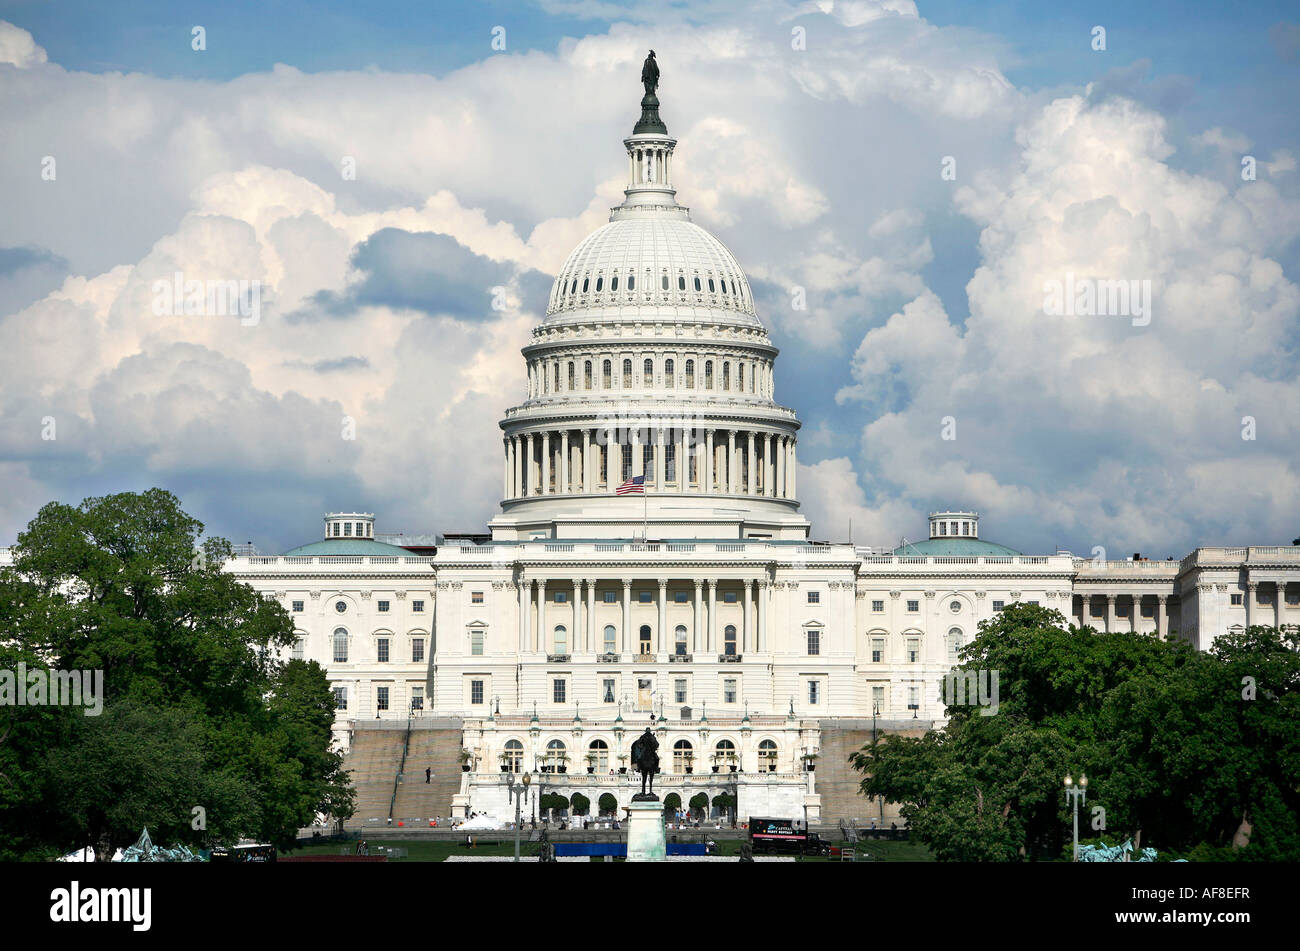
(557, 658)
(680, 658)
(645, 659)
(729, 658)
(607, 658)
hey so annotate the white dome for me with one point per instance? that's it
(628, 262)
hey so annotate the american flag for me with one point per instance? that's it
(632, 486)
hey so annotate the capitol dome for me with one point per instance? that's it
(650, 403)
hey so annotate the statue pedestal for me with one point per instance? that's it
(645, 832)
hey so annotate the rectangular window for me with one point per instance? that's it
(1236, 599)
(965, 528)
(913, 606)
(476, 597)
(381, 650)
(877, 650)
(913, 650)
(998, 605)
(561, 597)
(644, 596)
(943, 528)
(814, 692)
(913, 698)
(476, 643)
(417, 607)
(679, 597)
(607, 695)
(297, 607)
(878, 606)
(347, 529)
(1148, 610)
(476, 692)
(417, 650)
(679, 691)
(729, 597)
(814, 597)
(877, 697)
(611, 597)
(417, 697)
(340, 698)
(383, 607)
(729, 691)
(1121, 609)
(298, 649)
(557, 691)
(814, 643)
(382, 701)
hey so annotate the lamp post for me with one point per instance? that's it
(518, 789)
(1074, 794)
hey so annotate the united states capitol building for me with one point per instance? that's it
(587, 606)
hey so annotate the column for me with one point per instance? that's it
(711, 642)
(546, 463)
(627, 616)
(751, 466)
(794, 468)
(747, 633)
(1110, 613)
(575, 638)
(661, 637)
(769, 465)
(706, 478)
(1277, 608)
(731, 462)
(505, 468)
(1251, 586)
(634, 437)
(1162, 615)
(761, 643)
(528, 466)
(696, 632)
(1135, 608)
(563, 487)
(660, 468)
(780, 469)
(591, 616)
(542, 641)
(681, 462)
(586, 462)
(517, 460)
(525, 609)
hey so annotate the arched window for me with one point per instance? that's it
(729, 640)
(585, 282)
(708, 374)
(670, 371)
(683, 756)
(627, 374)
(561, 639)
(648, 373)
(679, 640)
(690, 374)
(954, 644)
(513, 757)
(681, 282)
(767, 756)
(724, 755)
(557, 377)
(697, 283)
(740, 377)
(340, 645)
(574, 288)
(631, 281)
(611, 639)
(664, 282)
(726, 375)
(600, 283)
(571, 383)
(711, 287)
(606, 375)
(613, 283)
(586, 375)
(556, 756)
(598, 756)
(645, 638)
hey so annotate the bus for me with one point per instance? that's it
(782, 836)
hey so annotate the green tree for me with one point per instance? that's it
(581, 804)
(608, 804)
(672, 802)
(699, 802)
(197, 709)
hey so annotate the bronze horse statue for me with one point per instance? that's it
(645, 759)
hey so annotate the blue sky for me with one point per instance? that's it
(818, 167)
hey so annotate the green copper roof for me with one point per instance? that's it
(954, 546)
(348, 546)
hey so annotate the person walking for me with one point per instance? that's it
(428, 773)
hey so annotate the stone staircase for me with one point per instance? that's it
(372, 762)
(418, 801)
(838, 782)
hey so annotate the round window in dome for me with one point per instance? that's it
(600, 281)
(340, 606)
(954, 607)
(697, 283)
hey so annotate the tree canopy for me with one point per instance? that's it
(205, 735)
(1182, 748)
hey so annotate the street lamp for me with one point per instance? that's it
(1075, 793)
(518, 790)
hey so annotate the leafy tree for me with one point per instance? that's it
(198, 711)
(699, 802)
(581, 804)
(672, 802)
(608, 803)
(1172, 750)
